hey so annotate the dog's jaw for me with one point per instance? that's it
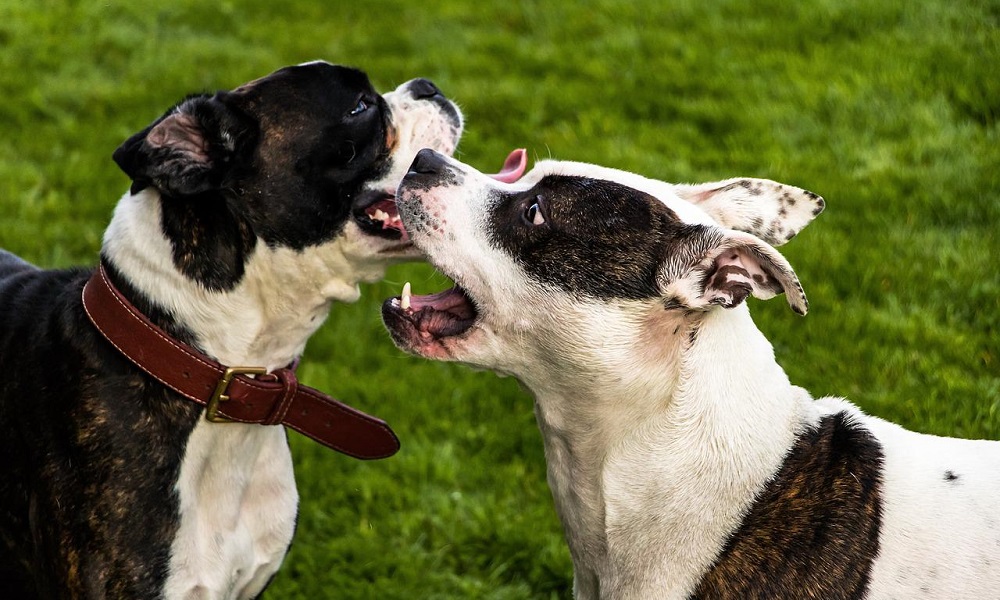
(417, 124)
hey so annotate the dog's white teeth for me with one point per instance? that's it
(404, 298)
(378, 215)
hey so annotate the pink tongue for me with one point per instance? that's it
(513, 167)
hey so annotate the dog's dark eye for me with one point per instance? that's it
(533, 214)
(360, 108)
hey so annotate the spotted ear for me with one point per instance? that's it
(772, 211)
(185, 152)
(732, 266)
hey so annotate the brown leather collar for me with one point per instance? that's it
(270, 399)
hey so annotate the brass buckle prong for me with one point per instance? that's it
(220, 395)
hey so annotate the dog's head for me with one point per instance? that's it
(572, 253)
(305, 159)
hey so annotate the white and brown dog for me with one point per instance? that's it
(682, 462)
(250, 212)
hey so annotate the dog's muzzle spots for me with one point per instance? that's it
(428, 172)
(418, 220)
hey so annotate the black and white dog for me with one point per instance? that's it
(682, 462)
(250, 212)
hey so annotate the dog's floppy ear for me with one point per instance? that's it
(185, 152)
(772, 211)
(732, 266)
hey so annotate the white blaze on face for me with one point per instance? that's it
(448, 223)
(417, 124)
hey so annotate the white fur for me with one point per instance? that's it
(236, 489)
(656, 447)
(939, 539)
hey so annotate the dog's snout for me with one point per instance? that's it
(424, 93)
(428, 162)
(423, 89)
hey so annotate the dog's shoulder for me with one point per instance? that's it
(815, 526)
(63, 366)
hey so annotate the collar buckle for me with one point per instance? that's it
(220, 395)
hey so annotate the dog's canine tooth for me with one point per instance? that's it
(404, 298)
(379, 215)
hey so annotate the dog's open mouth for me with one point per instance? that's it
(376, 214)
(419, 322)
(423, 324)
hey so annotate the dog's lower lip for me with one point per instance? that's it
(380, 217)
(419, 321)
(397, 248)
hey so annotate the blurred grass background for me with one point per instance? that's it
(887, 109)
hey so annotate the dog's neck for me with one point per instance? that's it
(283, 297)
(684, 422)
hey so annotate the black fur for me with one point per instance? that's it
(599, 239)
(280, 159)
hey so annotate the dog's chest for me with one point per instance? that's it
(237, 505)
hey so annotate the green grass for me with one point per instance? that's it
(887, 109)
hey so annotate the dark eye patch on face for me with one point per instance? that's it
(316, 150)
(599, 238)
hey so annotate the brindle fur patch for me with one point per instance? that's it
(813, 531)
(76, 514)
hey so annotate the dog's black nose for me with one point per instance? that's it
(423, 89)
(427, 162)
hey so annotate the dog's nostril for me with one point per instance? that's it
(423, 88)
(427, 162)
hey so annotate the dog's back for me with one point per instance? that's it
(940, 533)
(11, 265)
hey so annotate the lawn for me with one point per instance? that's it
(887, 109)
